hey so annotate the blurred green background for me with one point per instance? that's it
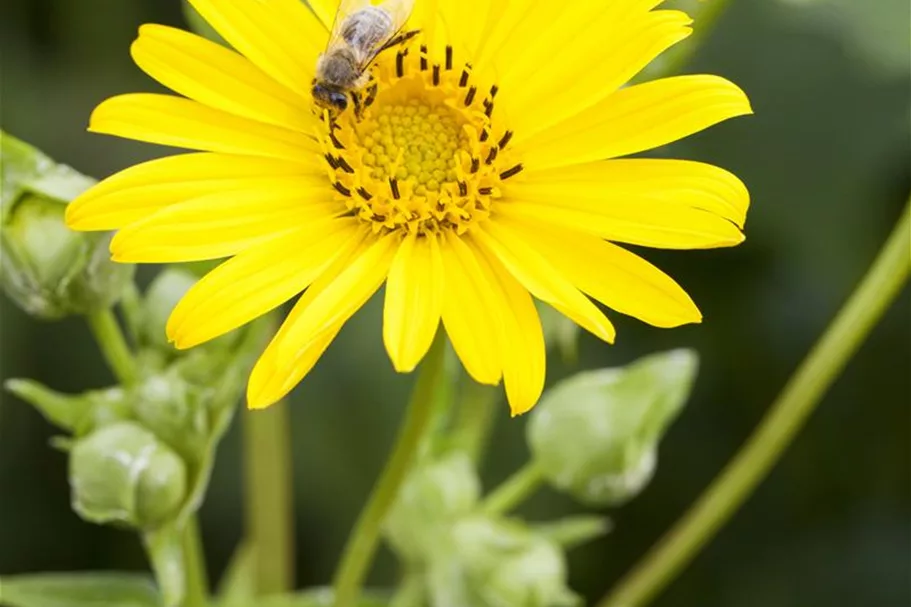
(826, 158)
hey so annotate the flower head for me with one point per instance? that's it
(481, 170)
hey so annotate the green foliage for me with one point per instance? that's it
(78, 590)
(595, 434)
(48, 270)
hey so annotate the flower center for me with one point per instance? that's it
(423, 151)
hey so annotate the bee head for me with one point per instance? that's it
(330, 97)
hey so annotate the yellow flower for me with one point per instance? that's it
(483, 172)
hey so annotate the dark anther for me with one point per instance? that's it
(485, 191)
(364, 193)
(341, 189)
(511, 172)
(400, 64)
(331, 160)
(463, 81)
(507, 137)
(488, 108)
(423, 58)
(436, 75)
(338, 144)
(463, 188)
(343, 165)
(469, 98)
(394, 186)
(448, 57)
(475, 165)
(492, 155)
(494, 90)
(485, 135)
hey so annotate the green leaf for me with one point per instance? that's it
(573, 531)
(238, 585)
(78, 590)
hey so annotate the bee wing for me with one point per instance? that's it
(400, 11)
(346, 8)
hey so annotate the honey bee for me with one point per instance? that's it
(362, 30)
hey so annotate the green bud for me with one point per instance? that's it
(47, 269)
(498, 563)
(122, 474)
(595, 435)
(175, 410)
(163, 294)
(431, 499)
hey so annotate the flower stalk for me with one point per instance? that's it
(878, 289)
(514, 490)
(364, 539)
(269, 499)
(113, 345)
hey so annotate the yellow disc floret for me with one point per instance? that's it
(421, 153)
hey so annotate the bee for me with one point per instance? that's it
(362, 30)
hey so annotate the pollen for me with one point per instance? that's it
(423, 152)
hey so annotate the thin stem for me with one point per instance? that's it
(268, 497)
(364, 539)
(474, 418)
(194, 566)
(876, 292)
(113, 345)
(514, 490)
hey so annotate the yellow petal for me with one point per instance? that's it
(217, 77)
(660, 226)
(344, 296)
(523, 350)
(256, 281)
(617, 278)
(281, 37)
(647, 184)
(275, 373)
(325, 11)
(507, 242)
(468, 313)
(137, 192)
(183, 123)
(635, 119)
(220, 225)
(414, 301)
(590, 68)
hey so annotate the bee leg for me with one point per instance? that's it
(358, 108)
(371, 93)
(399, 39)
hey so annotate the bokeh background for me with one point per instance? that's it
(826, 158)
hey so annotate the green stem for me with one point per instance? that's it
(514, 490)
(113, 345)
(194, 566)
(475, 417)
(364, 539)
(877, 291)
(268, 497)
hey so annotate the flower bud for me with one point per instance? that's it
(595, 435)
(168, 287)
(430, 500)
(48, 270)
(497, 563)
(122, 474)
